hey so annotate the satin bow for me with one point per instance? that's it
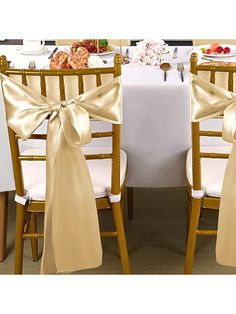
(208, 101)
(72, 238)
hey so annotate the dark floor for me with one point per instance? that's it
(156, 238)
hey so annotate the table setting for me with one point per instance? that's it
(41, 56)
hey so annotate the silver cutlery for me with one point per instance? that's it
(54, 51)
(32, 65)
(126, 57)
(165, 67)
(210, 59)
(180, 68)
(10, 65)
(174, 56)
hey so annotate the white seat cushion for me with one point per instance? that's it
(212, 169)
(34, 172)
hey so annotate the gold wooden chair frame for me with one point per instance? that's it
(26, 226)
(207, 202)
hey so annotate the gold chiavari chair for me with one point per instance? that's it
(205, 166)
(112, 164)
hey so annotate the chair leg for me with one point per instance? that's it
(19, 241)
(34, 241)
(117, 214)
(122, 203)
(191, 244)
(130, 201)
(189, 210)
(3, 224)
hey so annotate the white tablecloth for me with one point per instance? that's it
(156, 128)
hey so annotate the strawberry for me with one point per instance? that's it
(226, 50)
(209, 51)
(219, 49)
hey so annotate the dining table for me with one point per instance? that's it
(156, 129)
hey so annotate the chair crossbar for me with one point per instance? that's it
(32, 157)
(214, 155)
(69, 72)
(210, 133)
(206, 232)
(98, 156)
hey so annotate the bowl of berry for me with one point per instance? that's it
(217, 50)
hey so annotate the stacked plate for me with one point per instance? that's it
(44, 50)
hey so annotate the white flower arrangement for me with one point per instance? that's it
(95, 62)
(148, 52)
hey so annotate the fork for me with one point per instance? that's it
(32, 65)
(127, 53)
(174, 56)
(180, 68)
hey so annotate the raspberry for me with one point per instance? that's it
(219, 49)
(226, 50)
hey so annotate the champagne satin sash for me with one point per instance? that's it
(72, 238)
(208, 101)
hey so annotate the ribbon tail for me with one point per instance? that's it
(72, 236)
(225, 244)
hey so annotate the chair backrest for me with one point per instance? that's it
(198, 42)
(79, 76)
(116, 42)
(197, 133)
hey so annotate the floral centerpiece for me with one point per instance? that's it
(148, 52)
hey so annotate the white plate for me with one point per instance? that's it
(33, 53)
(115, 49)
(227, 55)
